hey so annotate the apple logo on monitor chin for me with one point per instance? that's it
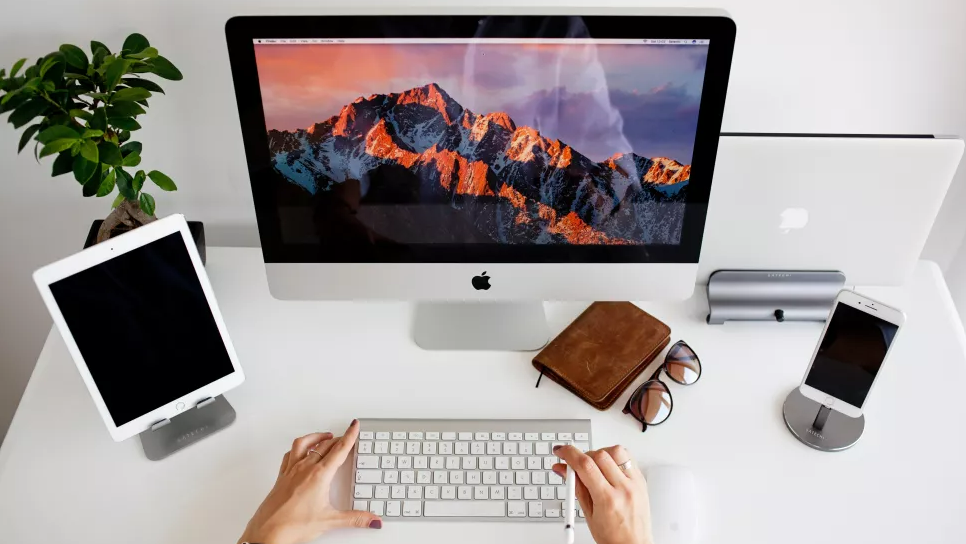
(481, 282)
(793, 219)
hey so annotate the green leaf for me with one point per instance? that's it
(16, 67)
(62, 164)
(162, 181)
(81, 114)
(143, 83)
(14, 102)
(147, 53)
(25, 137)
(114, 72)
(140, 67)
(49, 62)
(117, 201)
(32, 71)
(6, 98)
(33, 84)
(57, 146)
(57, 132)
(109, 153)
(99, 55)
(99, 121)
(107, 184)
(147, 203)
(92, 133)
(123, 136)
(131, 147)
(124, 181)
(143, 103)
(91, 186)
(89, 151)
(135, 43)
(95, 45)
(26, 113)
(125, 109)
(164, 68)
(83, 169)
(130, 95)
(138, 181)
(99, 96)
(131, 159)
(125, 123)
(112, 137)
(74, 56)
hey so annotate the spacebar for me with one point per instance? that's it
(474, 509)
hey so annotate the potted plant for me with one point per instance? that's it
(82, 112)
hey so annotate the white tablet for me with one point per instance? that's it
(140, 320)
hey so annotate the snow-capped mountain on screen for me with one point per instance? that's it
(509, 182)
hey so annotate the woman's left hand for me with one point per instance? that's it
(298, 508)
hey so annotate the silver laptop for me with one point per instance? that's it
(862, 205)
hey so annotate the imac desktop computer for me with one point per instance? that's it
(481, 164)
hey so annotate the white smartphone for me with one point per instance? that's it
(857, 338)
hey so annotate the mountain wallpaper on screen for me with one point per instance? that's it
(509, 183)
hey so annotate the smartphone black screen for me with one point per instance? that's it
(850, 355)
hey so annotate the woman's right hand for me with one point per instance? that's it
(614, 501)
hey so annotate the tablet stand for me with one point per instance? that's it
(819, 426)
(771, 295)
(170, 435)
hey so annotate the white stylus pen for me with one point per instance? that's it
(571, 510)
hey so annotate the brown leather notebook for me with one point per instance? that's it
(601, 353)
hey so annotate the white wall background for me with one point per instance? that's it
(872, 66)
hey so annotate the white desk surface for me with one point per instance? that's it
(314, 366)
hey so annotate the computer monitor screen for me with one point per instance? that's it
(398, 142)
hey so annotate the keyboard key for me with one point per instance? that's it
(538, 477)
(551, 512)
(561, 493)
(482, 436)
(392, 509)
(382, 436)
(404, 462)
(549, 462)
(368, 461)
(531, 492)
(546, 493)
(509, 448)
(525, 448)
(412, 509)
(432, 436)
(447, 492)
(431, 492)
(485, 463)
(464, 492)
(398, 492)
(489, 477)
(515, 436)
(543, 448)
(506, 477)
(420, 462)
(565, 437)
(360, 505)
(399, 435)
(517, 463)
(448, 436)
(365, 447)
(536, 509)
(424, 477)
(437, 462)
(499, 436)
(514, 493)
(440, 477)
(548, 436)
(429, 448)
(533, 437)
(397, 448)
(452, 463)
(582, 446)
(368, 477)
(554, 479)
(447, 509)
(493, 448)
(363, 492)
(381, 447)
(516, 509)
(378, 508)
(477, 448)
(365, 435)
(473, 477)
(502, 463)
(446, 448)
(522, 477)
(390, 477)
(456, 477)
(415, 435)
(462, 448)
(582, 437)
(407, 477)
(580, 512)
(497, 492)
(413, 448)
(466, 436)
(388, 461)
(382, 491)
(469, 463)
(414, 492)
(481, 493)
(533, 463)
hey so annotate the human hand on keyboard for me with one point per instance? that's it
(614, 500)
(298, 508)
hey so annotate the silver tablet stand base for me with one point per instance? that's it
(771, 295)
(819, 426)
(170, 435)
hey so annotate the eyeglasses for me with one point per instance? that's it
(651, 403)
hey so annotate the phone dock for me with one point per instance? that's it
(819, 426)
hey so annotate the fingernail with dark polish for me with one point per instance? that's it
(355, 421)
(555, 448)
(375, 524)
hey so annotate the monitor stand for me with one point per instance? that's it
(503, 326)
